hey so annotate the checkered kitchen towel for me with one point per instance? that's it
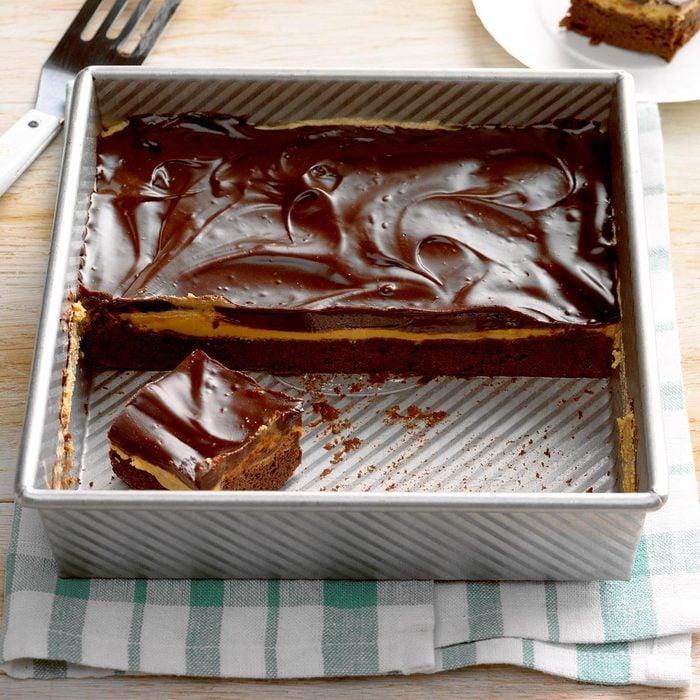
(605, 632)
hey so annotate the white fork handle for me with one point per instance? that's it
(23, 142)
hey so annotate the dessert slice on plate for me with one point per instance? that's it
(203, 426)
(652, 26)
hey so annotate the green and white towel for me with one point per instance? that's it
(636, 631)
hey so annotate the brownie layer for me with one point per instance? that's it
(203, 426)
(132, 477)
(270, 475)
(576, 352)
(657, 26)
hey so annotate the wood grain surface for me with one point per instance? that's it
(276, 33)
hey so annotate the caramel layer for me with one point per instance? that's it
(165, 478)
(655, 10)
(206, 323)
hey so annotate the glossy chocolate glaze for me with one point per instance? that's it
(501, 226)
(196, 415)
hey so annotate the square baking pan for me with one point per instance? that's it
(444, 478)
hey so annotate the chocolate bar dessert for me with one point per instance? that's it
(346, 247)
(203, 426)
(651, 26)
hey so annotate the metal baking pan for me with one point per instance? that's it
(483, 478)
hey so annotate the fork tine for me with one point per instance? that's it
(110, 17)
(155, 29)
(133, 19)
(82, 18)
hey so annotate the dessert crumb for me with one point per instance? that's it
(325, 410)
(349, 444)
(414, 418)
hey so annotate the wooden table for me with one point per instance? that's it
(276, 33)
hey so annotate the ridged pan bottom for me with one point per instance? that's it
(381, 433)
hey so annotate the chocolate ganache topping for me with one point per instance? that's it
(511, 222)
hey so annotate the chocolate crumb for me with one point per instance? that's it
(352, 444)
(414, 416)
(325, 410)
(349, 444)
(326, 472)
(435, 417)
(338, 426)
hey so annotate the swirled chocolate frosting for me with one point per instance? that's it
(510, 223)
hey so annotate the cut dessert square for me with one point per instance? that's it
(651, 26)
(203, 426)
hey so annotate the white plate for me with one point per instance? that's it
(529, 31)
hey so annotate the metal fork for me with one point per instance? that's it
(26, 139)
